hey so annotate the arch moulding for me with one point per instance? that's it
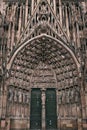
(11, 60)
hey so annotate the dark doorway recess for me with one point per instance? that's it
(36, 109)
(51, 113)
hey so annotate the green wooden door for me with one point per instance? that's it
(51, 114)
(36, 109)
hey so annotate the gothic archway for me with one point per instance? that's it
(44, 62)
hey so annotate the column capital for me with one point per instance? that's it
(43, 89)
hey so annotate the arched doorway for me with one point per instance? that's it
(44, 66)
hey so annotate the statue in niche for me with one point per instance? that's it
(60, 99)
(43, 98)
(77, 96)
(20, 96)
(16, 96)
(64, 97)
(26, 98)
(71, 96)
(10, 95)
(23, 97)
(67, 96)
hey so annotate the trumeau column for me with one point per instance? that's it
(26, 12)
(43, 109)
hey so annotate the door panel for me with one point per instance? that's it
(51, 114)
(36, 109)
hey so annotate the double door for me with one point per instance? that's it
(37, 109)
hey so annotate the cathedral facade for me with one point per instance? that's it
(43, 65)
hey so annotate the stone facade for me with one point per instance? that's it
(43, 65)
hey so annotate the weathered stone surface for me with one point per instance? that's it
(43, 45)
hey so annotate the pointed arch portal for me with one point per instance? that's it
(48, 69)
(43, 37)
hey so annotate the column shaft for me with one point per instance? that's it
(43, 109)
(60, 12)
(26, 12)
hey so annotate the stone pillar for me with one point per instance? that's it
(73, 24)
(1, 98)
(32, 8)
(67, 24)
(9, 37)
(26, 12)
(55, 6)
(12, 40)
(60, 11)
(4, 122)
(20, 20)
(82, 111)
(83, 104)
(43, 109)
(4, 104)
(78, 37)
(13, 27)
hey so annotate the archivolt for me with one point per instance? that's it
(43, 36)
